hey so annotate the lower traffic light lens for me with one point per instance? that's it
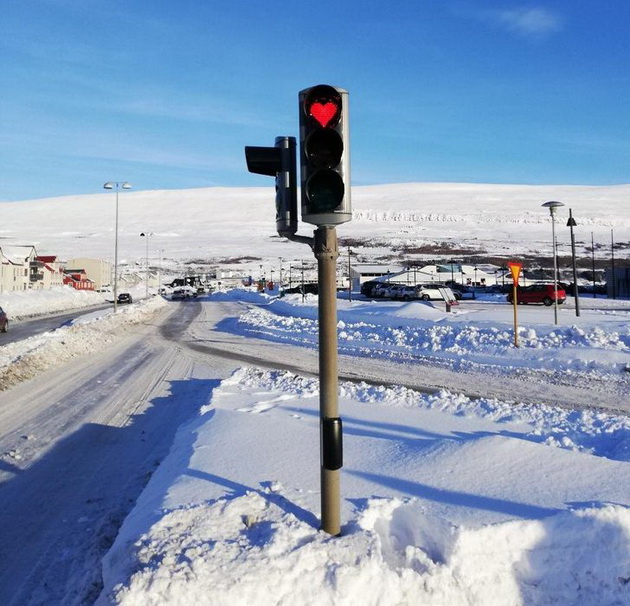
(324, 148)
(325, 191)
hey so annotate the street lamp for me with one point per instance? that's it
(571, 224)
(552, 205)
(280, 278)
(146, 234)
(116, 185)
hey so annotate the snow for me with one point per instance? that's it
(26, 303)
(446, 499)
(506, 220)
(449, 496)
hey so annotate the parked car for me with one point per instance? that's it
(183, 292)
(393, 291)
(367, 288)
(124, 297)
(380, 290)
(4, 321)
(538, 293)
(438, 292)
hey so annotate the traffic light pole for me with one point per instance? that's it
(326, 253)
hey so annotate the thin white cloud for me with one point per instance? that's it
(535, 21)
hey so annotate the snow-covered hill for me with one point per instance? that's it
(216, 224)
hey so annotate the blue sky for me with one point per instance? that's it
(167, 94)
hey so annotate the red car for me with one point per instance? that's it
(538, 293)
(4, 321)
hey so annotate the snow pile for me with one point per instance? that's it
(24, 359)
(216, 554)
(26, 303)
(406, 330)
(445, 500)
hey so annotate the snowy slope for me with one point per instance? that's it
(226, 223)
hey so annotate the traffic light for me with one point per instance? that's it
(325, 155)
(279, 162)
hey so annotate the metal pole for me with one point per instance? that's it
(555, 266)
(593, 265)
(326, 253)
(349, 276)
(160, 274)
(612, 253)
(571, 223)
(515, 302)
(116, 256)
(147, 272)
(280, 281)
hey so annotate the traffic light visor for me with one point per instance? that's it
(323, 105)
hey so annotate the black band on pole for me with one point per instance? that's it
(332, 445)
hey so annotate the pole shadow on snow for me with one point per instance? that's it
(237, 490)
(452, 497)
(60, 515)
(396, 431)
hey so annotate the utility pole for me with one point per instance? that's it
(349, 276)
(326, 253)
(612, 269)
(571, 223)
(593, 265)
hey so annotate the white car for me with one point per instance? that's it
(183, 292)
(435, 292)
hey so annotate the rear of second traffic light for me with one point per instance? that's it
(325, 155)
(279, 162)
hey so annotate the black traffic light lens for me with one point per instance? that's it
(324, 148)
(323, 105)
(325, 191)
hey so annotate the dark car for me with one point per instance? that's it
(4, 321)
(538, 293)
(124, 297)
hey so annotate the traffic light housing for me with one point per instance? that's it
(279, 162)
(325, 155)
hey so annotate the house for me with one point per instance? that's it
(77, 278)
(99, 271)
(468, 275)
(51, 270)
(19, 269)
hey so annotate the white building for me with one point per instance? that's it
(97, 270)
(18, 268)
(51, 271)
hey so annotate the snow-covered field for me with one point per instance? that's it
(445, 499)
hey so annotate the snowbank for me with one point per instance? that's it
(445, 501)
(23, 304)
(24, 359)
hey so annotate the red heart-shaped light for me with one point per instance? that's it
(323, 112)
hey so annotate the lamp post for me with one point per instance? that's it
(116, 185)
(593, 265)
(571, 224)
(612, 259)
(349, 275)
(552, 205)
(146, 234)
(280, 278)
(160, 272)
